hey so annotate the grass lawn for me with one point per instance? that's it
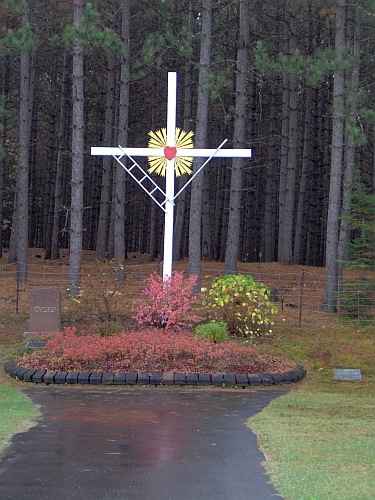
(17, 413)
(319, 440)
(319, 446)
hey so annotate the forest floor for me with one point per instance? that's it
(298, 290)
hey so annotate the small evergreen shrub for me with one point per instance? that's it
(217, 331)
(356, 298)
(167, 304)
(242, 303)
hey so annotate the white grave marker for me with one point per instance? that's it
(347, 374)
(170, 153)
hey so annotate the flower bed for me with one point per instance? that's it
(149, 350)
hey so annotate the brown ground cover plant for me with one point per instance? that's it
(148, 350)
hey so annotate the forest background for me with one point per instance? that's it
(292, 80)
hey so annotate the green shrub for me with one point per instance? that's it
(242, 303)
(109, 328)
(217, 331)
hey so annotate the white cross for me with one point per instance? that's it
(169, 195)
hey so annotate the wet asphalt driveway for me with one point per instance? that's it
(139, 444)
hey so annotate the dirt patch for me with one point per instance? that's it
(296, 290)
(321, 355)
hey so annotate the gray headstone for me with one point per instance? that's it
(45, 311)
(347, 374)
(35, 345)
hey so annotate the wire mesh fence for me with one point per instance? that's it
(298, 295)
(356, 299)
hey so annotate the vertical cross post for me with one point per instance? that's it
(169, 176)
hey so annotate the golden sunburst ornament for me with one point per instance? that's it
(158, 164)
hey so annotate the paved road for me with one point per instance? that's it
(138, 444)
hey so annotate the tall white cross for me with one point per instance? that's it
(170, 152)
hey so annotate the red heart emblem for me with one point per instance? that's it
(170, 152)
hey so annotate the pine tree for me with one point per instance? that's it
(233, 239)
(77, 155)
(356, 296)
(81, 34)
(195, 235)
(23, 40)
(334, 202)
(361, 221)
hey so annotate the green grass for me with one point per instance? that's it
(17, 413)
(319, 440)
(319, 446)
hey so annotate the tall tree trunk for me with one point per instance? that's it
(22, 184)
(111, 234)
(284, 145)
(314, 188)
(233, 238)
(59, 162)
(332, 238)
(206, 216)
(285, 245)
(181, 201)
(300, 236)
(119, 209)
(49, 198)
(300, 228)
(103, 226)
(350, 145)
(200, 142)
(76, 213)
(270, 210)
(3, 135)
(36, 210)
(153, 244)
(220, 175)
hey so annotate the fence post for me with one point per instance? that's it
(17, 285)
(358, 300)
(300, 304)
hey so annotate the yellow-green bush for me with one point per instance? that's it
(242, 303)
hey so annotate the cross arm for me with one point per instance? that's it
(192, 153)
(222, 153)
(97, 151)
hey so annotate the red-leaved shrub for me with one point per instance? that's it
(150, 350)
(167, 304)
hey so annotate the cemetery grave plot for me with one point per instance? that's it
(45, 311)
